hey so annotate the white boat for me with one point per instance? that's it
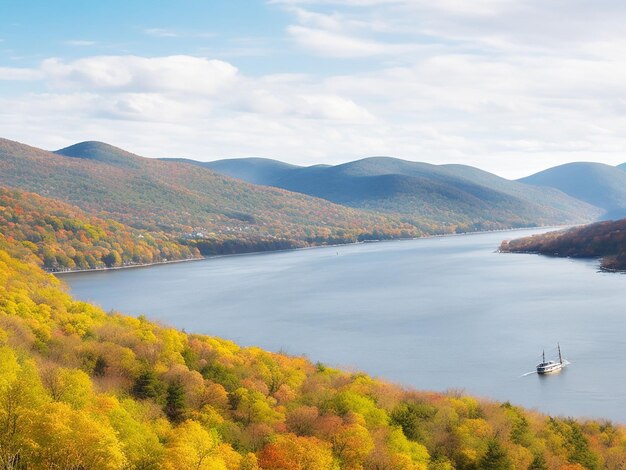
(547, 367)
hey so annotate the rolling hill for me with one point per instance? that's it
(436, 198)
(601, 185)
(222, 214)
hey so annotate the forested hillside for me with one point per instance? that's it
(63, 237)
(220, 213)
(605, 240)
(435, 198)
(80, 388)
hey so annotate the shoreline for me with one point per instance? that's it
(427, 237)
(131, 266)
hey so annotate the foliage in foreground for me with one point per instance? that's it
(606, 240)
(80, 388)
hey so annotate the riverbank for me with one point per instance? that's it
(130, 266)
(283, 250)
(603, 241)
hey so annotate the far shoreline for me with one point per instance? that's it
(130, 266)
(260, 252)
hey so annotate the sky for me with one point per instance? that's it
(509, 86)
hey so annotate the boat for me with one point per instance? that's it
(548, 367)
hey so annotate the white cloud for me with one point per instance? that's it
(282, 101)
(183, 74)
(179, 87)
(332, 107)
(331, 44)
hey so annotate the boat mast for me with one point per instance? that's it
(544, 356)
(560, 357)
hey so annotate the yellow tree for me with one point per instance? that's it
(61, 437)
(193, 447)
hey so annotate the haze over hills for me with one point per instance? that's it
(177, 198)
(255, 170)
(601, 185)
(444, 197)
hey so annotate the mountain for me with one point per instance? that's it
(605, 240)
(433, 197)
(223, 214)
(601, 185)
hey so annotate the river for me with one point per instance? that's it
(435, 313)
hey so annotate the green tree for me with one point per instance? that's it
(146, 386)
(495, 458)
(112, 259)
(175, 406)
(411, 417)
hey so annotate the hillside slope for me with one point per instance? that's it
(603, 186)
(434, 197)
(605, 240)
(62, 237)
(80, 388)
(180, 199)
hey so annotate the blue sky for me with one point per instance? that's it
(511, 86)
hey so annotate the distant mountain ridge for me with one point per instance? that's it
(450, 197)
(257, 171)
(601, 185)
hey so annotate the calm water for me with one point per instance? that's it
(432, 313)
